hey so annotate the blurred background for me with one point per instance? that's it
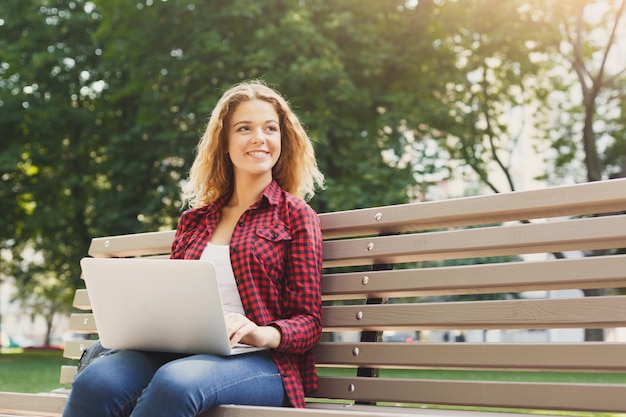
(102, 104)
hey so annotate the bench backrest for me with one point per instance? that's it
(372, 284)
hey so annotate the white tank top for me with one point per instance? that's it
(220, 255)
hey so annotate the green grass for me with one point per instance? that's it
(31, 370)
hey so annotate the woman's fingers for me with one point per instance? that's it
(239, 327)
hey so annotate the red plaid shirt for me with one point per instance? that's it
(276, 255)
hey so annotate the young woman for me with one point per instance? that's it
(254, 165)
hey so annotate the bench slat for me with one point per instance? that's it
(68, 373)
(82, 323)
(607, 311)
(547, 396)
(582, 273)
(75, 348)
(592, 272)
(140, 244)
(81, 300)
(342, 410)
(588, 198)
(588, 356)
(588, 312)
(598, 197)
(32, 404)
(587, 234)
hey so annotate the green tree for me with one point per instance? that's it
(103, 102)
(527, 63)
(352, 70)
(593, 35)
(488, 101)
(46, 102)
(591, 32)
(542, 71)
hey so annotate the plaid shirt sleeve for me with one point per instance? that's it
(302, 323)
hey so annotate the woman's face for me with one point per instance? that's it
(254, 139)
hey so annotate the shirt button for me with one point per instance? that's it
(240, 224)
(235, 250)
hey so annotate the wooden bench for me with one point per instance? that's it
(531, 225)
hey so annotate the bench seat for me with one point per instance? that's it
(48, 406)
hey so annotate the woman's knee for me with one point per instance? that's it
(112, 382)
(180, 377)
(96, 392)
(97, 379)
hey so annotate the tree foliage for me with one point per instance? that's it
(593, 44)
(102, 103)
(47, 127)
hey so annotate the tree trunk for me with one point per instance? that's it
(592, 159)
(593, 335)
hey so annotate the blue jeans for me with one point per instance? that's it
(149, 384)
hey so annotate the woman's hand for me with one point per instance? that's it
(242, 330)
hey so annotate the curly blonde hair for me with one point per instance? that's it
(211, 174)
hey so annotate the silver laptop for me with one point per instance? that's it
(158, 305)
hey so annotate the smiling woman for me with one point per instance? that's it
(254, 165)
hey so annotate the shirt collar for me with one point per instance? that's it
(271, 195)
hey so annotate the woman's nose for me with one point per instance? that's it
(259, 136)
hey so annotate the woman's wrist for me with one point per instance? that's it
(271, 336)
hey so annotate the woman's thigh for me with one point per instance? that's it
(110, 386)
(194, 384)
